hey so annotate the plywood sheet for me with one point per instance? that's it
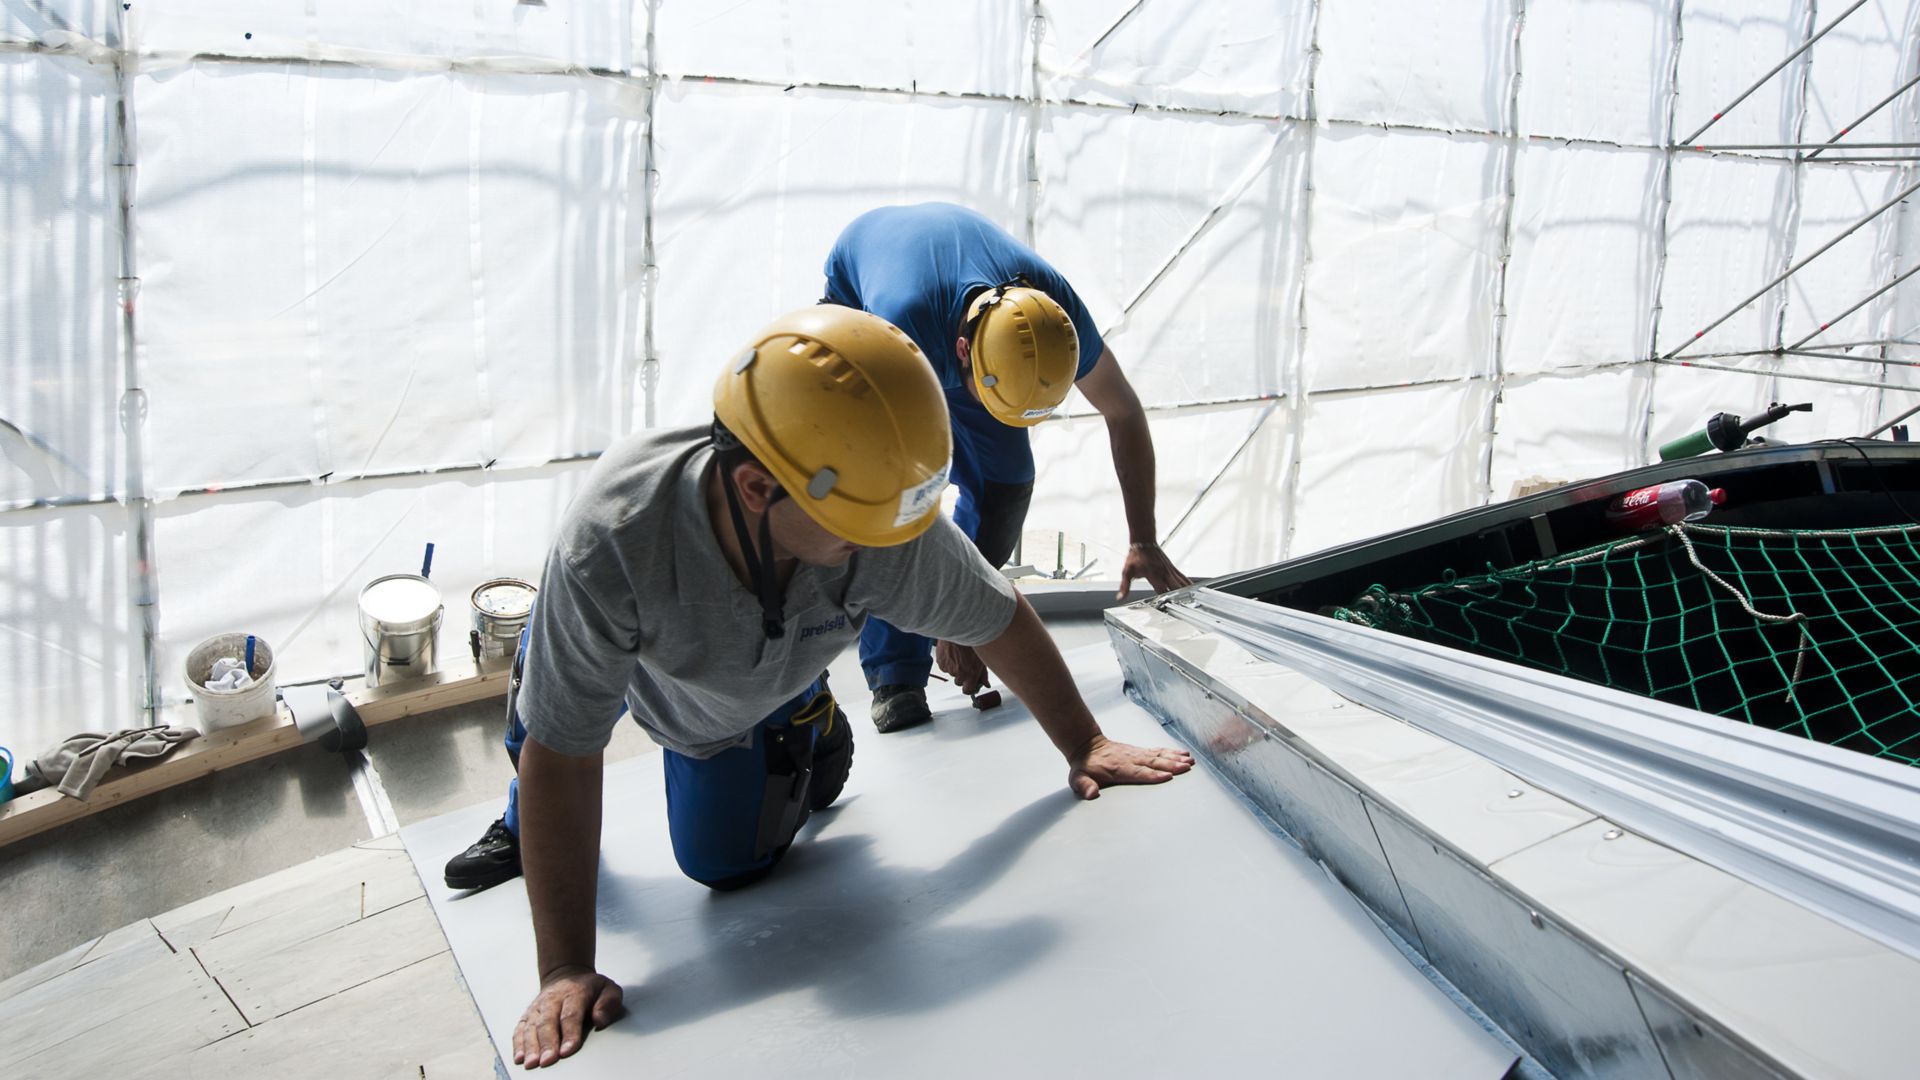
(960, 913)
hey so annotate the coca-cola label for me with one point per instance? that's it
(1634, 500)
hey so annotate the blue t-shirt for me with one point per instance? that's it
(914, 266)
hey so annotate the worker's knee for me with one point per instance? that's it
(732, 815)
(722, 878)
(1003, 511)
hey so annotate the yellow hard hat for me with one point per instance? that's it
(846, 413)
(1024, 352)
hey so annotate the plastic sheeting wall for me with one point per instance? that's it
(291, 289)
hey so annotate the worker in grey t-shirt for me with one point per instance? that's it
(704, 582)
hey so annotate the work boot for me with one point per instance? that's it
(896, 708)
(832, 761)
(492, 859)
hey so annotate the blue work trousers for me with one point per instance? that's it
(715, 805)
(989, 459)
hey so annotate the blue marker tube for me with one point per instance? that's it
(426, 565)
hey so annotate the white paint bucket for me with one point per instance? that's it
(228, 708)
(399, 625)
(501, 608)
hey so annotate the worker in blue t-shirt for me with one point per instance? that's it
(1008, 338)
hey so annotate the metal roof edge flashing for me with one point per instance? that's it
(1832, 829)
(1637, 911)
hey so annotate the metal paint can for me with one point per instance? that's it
(501, 608)
(400, 618)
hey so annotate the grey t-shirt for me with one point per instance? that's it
(637, 602)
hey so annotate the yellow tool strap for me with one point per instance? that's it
(819, 709)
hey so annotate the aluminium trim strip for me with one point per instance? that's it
(1836, 831)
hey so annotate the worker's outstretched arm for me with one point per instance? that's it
(1108, 390)
(560, 851)
(1027, 661)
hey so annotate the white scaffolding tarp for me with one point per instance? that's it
(291, 289)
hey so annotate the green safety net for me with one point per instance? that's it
(1811, 632)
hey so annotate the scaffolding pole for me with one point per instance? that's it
(142, 571)
(1509, 168)
(1853, 359)
(1872, 344)
(1889, 424)
(1717, 147)
(1296, 378)
(1253, 431)
(1762, 81)
(1872, 296)
(1792, 270)
(1785, 375)
(1662, 235)
(649, 198)
(1790, 232)
(1865, 116)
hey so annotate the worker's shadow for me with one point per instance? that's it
(866, 937)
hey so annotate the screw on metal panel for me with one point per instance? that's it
(1610, 834)
(1514, 794)
(1534, 918)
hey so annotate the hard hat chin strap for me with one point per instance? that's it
(759, 558)
(766, 582)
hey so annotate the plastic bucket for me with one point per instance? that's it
(501, 608)
(400, 626)
(227, 708)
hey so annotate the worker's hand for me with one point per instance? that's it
(964, 665)
(1102, 763)
(555, 1025)
(1148, 561)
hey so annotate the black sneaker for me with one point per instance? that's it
(492, 859)
(832, 761)
(896, 708)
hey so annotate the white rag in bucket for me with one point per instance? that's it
(229, 674)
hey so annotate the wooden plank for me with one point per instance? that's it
(458, 683)
(28, 815)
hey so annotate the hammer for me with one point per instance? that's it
(983, 698)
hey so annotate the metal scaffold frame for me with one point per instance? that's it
(1803, 152)
(1299, 122)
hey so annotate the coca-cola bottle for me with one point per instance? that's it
(1663, 504)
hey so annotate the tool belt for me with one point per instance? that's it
(789, 750)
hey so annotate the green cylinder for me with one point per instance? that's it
(1687, 446)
